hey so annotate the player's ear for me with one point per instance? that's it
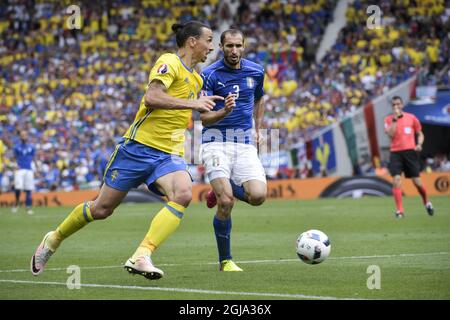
(192, 41)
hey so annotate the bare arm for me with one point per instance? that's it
(258, 114)
(156, 97)
(420, 140)
(211, 117)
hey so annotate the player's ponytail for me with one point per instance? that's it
(186, 30)
(177, 27)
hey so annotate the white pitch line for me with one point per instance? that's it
(394, 255)
(184, 290)
(246, 261)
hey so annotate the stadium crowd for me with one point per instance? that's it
(362, 64)
(77, 91)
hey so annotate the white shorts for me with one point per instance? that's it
(24, 180)
(236, 161)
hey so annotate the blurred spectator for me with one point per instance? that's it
(77, 91)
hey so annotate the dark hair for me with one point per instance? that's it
(230, 31)
(186, 30)
(397, 98)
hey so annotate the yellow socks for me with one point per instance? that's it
(54, 240)
(162, 226)
(77, 219)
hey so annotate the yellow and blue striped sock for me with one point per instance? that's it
(77, 219)
(162, 226)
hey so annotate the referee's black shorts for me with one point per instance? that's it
(406, 161)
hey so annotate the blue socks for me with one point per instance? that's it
(238, 191)
(28, 200)
(17, 192)
(222, 230)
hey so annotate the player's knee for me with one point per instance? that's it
(417, 182)
(101, 212)
(182, 196)
(225, 201)
(257, 198)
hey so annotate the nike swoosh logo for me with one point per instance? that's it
(35, 270)
(220, 83)
(132, 262)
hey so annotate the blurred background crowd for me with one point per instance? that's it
(77, 91)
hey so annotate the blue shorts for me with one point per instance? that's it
(133, 163)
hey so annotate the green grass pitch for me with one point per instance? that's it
(412, 254)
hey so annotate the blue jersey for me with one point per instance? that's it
(247, 83)
(24, 153)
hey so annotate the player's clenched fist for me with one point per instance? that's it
(230, 102)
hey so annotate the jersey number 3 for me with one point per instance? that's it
(236, 88)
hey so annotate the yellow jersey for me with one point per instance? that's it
(2, 152)
(164, 129)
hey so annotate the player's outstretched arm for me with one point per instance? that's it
(156, 97)
(211, 117)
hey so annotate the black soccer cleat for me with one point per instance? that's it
(399, 215)
(429, 208)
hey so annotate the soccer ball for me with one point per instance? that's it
(313, 246)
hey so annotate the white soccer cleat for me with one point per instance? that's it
(41, 257)
(14, 209)
(30, 212)
(144, 266)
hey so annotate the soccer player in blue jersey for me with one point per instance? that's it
(228, 154)
(24, 176)
(151, 152)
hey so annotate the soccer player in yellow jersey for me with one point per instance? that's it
(151, 152)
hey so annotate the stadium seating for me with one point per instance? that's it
(76, 91)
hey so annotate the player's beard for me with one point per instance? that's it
(233, 62)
